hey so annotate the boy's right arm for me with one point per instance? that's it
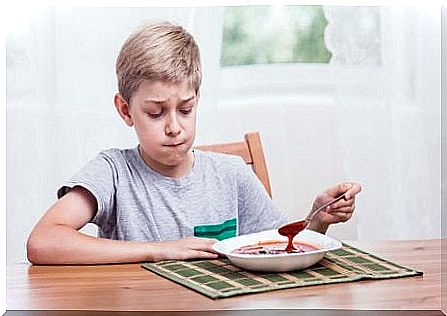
(56, 240)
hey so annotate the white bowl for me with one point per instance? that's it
(277, 262)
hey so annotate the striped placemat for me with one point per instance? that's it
(219, 278)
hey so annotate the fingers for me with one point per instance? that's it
(340, 214)
(350, 189)
(195, 247)
(342, 209)
(338, 189)
(198, 243)
(342, 203)
(200, 248)
(186, 248)
(193, 254)
(204, 255)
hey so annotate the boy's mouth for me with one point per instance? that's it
(173, 145)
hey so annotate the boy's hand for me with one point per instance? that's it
(340, 211)
(186, 248)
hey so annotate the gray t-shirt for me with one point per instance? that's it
(137, 203)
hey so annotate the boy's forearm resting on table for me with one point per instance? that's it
(60, 244)
(64, 245)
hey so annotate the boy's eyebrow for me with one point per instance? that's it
(158, 101)
(188, 99)
(154, 101)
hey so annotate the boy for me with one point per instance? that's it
(150, 201)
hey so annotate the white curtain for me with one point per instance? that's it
(387, 120)
(372, 115)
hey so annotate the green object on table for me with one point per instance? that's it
(219, 278)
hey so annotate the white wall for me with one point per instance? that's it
(444, 125)
(60, 114)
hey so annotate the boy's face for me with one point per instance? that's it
(164, 116)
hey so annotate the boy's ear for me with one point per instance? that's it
(123, 109)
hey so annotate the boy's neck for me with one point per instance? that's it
(176, 172)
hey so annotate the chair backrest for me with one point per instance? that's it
(251, 151)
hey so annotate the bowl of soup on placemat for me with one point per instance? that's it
(265, 251)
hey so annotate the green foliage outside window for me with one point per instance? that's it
(274, 34)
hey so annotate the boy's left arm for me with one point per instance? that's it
(340, 211)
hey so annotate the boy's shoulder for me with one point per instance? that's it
(117, 154)
(116, 158)
(220, 159)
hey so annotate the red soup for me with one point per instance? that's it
(273, 247)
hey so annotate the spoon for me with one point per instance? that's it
(292, 229)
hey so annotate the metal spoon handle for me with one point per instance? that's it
(311, 215)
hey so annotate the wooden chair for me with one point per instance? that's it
(251, 151)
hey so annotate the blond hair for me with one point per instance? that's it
(161, 52)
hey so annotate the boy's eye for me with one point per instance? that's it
(156, 115)
(186, 111)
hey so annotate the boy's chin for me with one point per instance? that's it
(176, 159)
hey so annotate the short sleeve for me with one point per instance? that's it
(99, 177)
(257, 211)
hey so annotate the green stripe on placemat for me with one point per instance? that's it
(219, 278)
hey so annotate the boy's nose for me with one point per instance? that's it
(172, 127)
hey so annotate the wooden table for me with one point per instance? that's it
(125, 287)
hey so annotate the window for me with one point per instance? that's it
(273, 34)
(255, 56)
